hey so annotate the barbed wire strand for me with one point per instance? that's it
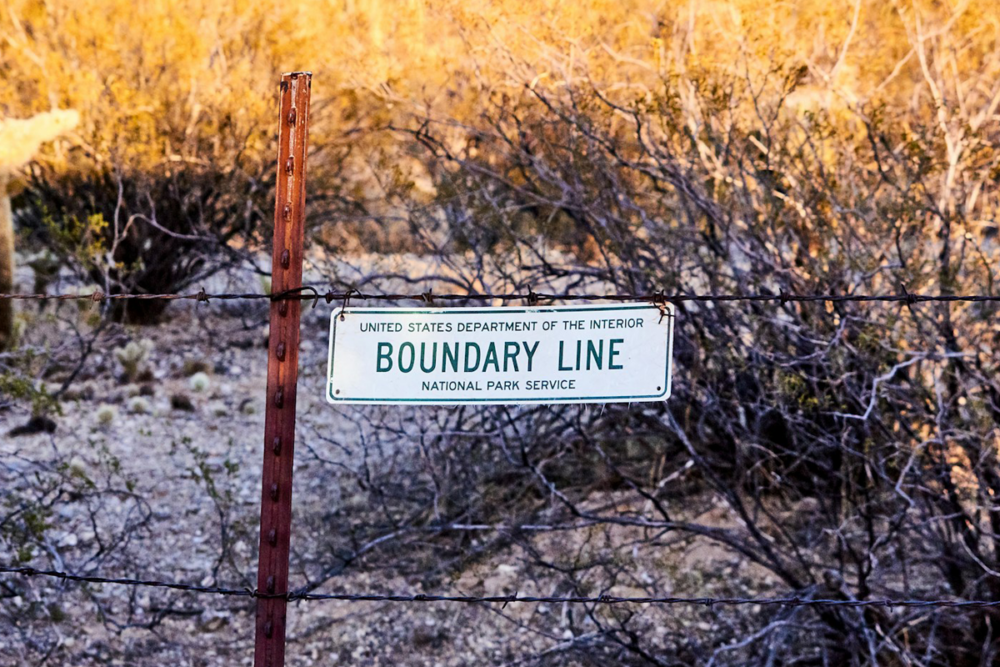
(315, 294)
(793, 601)
(531, 297)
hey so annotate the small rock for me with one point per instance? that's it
(808, 505)
(215, 464)
(213, 621)
(83, 393)
(181, 402)
(37, 424)
(192, 367)
(218, 409)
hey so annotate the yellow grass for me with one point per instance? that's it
(174, 80)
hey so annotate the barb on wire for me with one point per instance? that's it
(293, 293)
(530, 297)
(516, 597)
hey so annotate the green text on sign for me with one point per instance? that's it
(554, 354)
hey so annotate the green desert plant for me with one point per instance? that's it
(133, 357)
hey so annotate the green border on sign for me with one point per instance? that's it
(331, 398)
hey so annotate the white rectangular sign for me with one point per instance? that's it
(544, 354)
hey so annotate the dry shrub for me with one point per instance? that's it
(709, 147)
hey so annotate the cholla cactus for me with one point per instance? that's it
(138, 405)
(199, 382)
(106, 415)
(133, 357)
(19, 142)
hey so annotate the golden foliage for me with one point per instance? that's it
(160, 81)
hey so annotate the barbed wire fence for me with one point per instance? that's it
(293, 596)
(316, 294)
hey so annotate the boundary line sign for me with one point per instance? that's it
(500, 356)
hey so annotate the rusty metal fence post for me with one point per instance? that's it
(282, 370)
